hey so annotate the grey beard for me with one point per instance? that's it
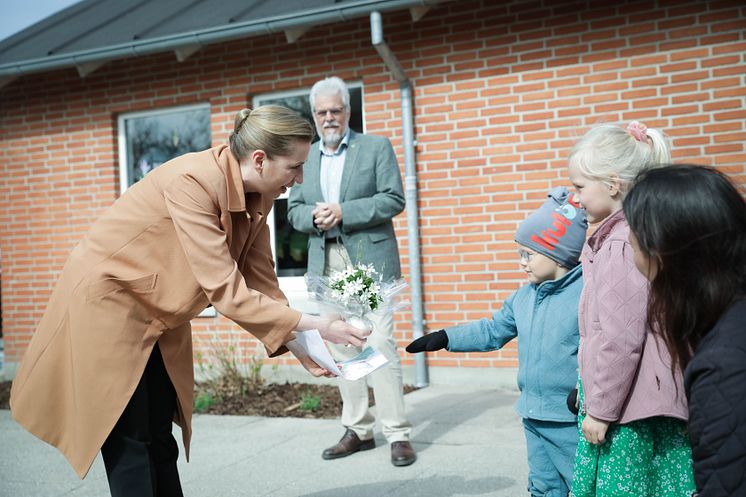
(332, 140)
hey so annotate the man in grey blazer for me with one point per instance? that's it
(352, 190)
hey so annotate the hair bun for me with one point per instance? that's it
(240, 119)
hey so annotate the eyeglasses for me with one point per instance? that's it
(336, 112)
(525, 255)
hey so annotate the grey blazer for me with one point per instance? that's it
(371, 194)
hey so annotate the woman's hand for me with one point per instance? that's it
(594, 430)
(306, 361)
(334, 329)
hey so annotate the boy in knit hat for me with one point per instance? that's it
(544, 315)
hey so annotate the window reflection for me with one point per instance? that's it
(157, 137)
(291, 246)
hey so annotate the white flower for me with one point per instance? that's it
(357, 286)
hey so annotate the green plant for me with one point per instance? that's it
(225, 376)
(203, 401)
(309, 402)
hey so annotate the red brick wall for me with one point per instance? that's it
(502, 89)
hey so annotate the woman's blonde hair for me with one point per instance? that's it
(608, 151)
(271, 128)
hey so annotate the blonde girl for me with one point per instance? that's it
(632, 409)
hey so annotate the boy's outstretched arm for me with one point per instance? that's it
(432, 341)
(483, 335)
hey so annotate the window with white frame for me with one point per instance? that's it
(290, 247)
(150, 138)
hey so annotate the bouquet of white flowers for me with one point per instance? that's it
(356, 291)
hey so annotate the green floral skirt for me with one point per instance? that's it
(646, 458)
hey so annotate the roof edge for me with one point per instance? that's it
(209, 36)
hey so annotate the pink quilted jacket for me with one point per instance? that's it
(625, 368)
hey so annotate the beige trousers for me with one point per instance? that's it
(386, 381)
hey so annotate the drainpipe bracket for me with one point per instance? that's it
(293, 34)
(186, 51)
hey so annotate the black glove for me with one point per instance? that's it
(572, 401)
(432, 341)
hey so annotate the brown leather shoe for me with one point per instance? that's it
(402, 454)
(348, 444)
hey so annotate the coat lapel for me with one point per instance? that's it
(350, 161)
(236, 202)
(312, 173)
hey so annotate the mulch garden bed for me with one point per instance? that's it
(298, 400)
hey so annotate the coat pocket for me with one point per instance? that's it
(378, 237)
(102, 288)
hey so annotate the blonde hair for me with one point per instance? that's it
(271, 128)
(608, 151)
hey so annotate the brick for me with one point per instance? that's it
(683, 109)
(679, 67)
(643, 82)
(739, 48)
(728, 71)
(724, 116)
(722, 105)
(725, 60)
(723, 127)
(721, 83)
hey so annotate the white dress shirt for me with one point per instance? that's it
(330, 175)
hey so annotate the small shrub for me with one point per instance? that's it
(309, 402)
(225, 376)
(203, 402)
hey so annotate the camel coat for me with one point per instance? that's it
(181, 238)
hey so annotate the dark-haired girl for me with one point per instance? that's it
(688, 231)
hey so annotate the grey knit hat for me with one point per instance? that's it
(556, 229)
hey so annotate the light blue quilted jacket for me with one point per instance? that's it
(544, 317)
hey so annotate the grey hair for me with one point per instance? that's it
(608, 151)
(330, 86)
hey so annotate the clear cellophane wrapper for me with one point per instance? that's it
(357, 292)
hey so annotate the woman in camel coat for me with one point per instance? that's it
(110, 365)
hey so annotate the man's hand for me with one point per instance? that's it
(326, 216)
(594, 430)
(430, 342)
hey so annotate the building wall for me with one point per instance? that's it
(502, 90)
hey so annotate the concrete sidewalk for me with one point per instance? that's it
(469, 443)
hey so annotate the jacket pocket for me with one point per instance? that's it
(378, 237)
(101, 288)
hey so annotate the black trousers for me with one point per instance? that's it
(140, 453)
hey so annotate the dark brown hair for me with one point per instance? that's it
(691, 221)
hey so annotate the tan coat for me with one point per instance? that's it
(183, 237)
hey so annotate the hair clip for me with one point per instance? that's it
(638, 131)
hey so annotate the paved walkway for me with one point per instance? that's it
(469, 443)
